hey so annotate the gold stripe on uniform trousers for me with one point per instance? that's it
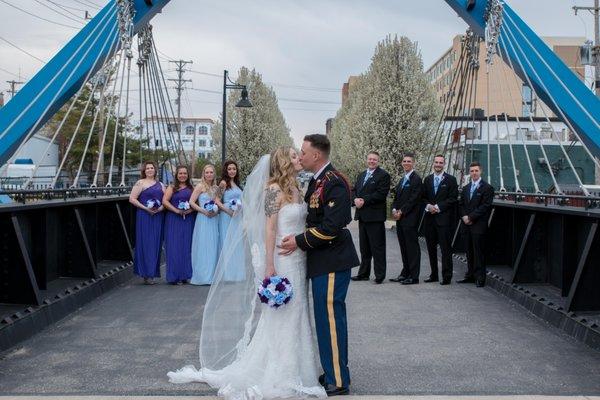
(332, 331)
(318, 234)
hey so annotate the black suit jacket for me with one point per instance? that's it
(446, 199)
(327, 242)
(408, 200)
(374, 192)
(479, 207)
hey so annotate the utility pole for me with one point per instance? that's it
(13, 87)
(180, 82)
(595, 10)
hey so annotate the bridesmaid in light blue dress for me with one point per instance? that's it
(205, 240)
(229, 203)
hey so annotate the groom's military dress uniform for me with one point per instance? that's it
(330, 256)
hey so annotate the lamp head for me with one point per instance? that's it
(244, 101)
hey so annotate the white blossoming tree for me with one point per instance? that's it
(392, 109)
(251, 132)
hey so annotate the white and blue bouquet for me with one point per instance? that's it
(211, 206)
(183, 205)
(153, 203)
(275, 291)
(235, 204)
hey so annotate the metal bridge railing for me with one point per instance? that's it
(27, 196)
(565, 200)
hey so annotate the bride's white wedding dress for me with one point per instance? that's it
(280, 360)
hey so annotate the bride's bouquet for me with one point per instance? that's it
(275, 291)
(211, 206)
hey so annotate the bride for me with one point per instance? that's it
(249, 350)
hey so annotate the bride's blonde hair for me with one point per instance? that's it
(283, 173)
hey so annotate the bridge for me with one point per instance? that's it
(67, 239)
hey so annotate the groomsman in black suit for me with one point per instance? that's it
(370, 193)
(440, 193)
(475, 209)
(406, 210)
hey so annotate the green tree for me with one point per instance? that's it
(251, 132)
(392, 110)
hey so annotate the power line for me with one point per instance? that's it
(11, 73)
(72, 8)
(87, 3)
(37, 16)
(20, 49)
(285, 85)
(56, 11)
(66, 9)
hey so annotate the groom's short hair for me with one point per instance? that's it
(319, 142)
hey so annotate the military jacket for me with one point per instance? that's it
(326, 240)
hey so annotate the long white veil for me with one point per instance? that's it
(231, 312)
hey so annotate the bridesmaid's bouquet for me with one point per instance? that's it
(183, 205)
(211, 206)
(275, 291)
(235, 204)
(153, 203)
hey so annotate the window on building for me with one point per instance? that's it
(527, 95)
(190, 130)
(210, 143)
(172, 128)
(208, 155)
(201, 155)
(202, 143)
(522, 134)
(203, 130)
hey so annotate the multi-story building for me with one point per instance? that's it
(505, 93)
(196, 135)
(507, 147)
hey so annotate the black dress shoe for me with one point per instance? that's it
(480, 283)
(430, 280)
(336, 391)
(466, 279)
(410, 281)
(400, 278)
(378, 281)
(445, 282)
(360, 278)
(322, 380)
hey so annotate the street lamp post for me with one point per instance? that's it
(243, 103)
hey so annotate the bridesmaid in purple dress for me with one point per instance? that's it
(146, 195)
(179, 226)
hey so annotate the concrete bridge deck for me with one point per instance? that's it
(424, 339)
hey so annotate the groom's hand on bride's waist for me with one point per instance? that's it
(288, 245)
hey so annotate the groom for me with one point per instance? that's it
(330, 257)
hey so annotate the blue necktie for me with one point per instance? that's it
(404, 181)
(436, 184)
(367, 176)
(473, 188)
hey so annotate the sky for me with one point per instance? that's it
(315, 44)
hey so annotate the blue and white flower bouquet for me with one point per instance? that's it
(211, 206)
(183, 205)
(235, 204)
(153, 203)
(275, 291)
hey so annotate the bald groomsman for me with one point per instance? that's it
(440, 193)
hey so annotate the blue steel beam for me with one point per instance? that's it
(63, 75)
(556, 85)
